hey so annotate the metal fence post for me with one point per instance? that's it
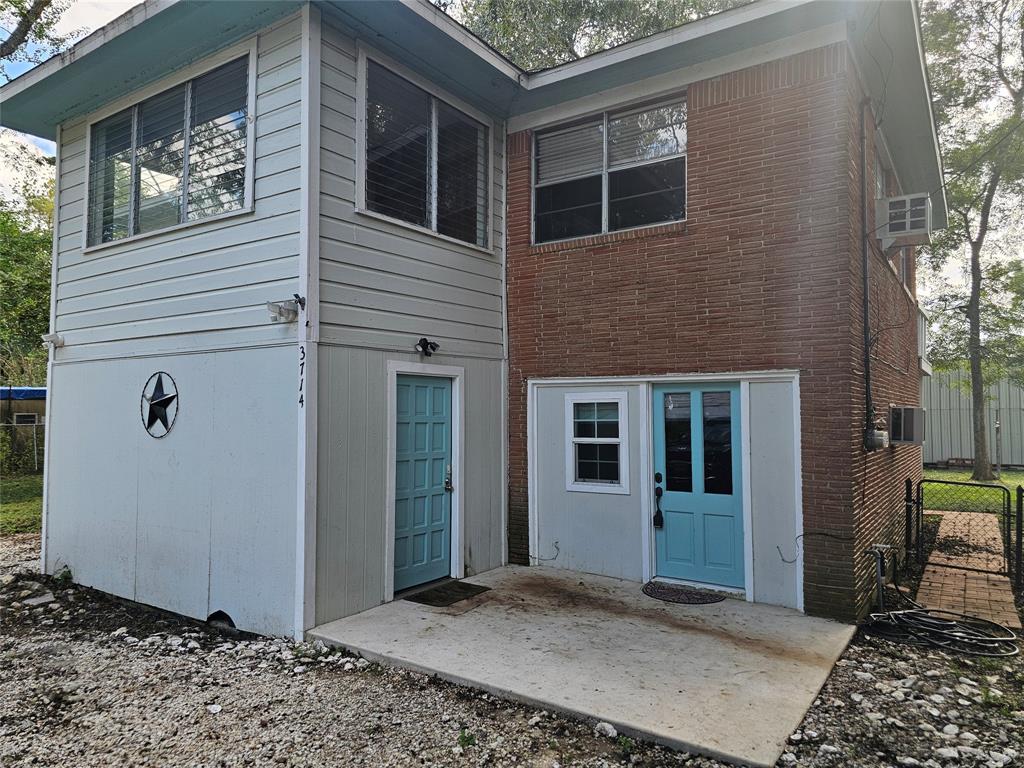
(908, 499)
(1018, 570)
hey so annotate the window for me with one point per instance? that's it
(426, 162)
(176, 157)
(596, 448)
(619, 171)
(26, 418)
(879, 178)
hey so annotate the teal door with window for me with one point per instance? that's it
(698, 520)
(423, 488)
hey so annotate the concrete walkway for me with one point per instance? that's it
(731, 680)
(958, 581)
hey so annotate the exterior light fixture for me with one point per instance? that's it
(426, 347)
(283, 311)
(53, 340)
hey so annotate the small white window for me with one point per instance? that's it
(25, 418)
(597, 448)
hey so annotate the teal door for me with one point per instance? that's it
(697, 468)
(423, 460)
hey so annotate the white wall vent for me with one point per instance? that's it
(906, 424)
(904, 220)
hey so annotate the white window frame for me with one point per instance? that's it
(34, 422)
(621, 399)
(602, 118)
(246, 48)
(366, 54)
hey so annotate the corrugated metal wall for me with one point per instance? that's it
(948, 400)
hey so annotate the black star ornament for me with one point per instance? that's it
(160, 404)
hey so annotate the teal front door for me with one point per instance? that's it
(698, 534)
(423, 498)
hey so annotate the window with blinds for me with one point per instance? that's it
(618, 171)
(426, 162)
(176, 157)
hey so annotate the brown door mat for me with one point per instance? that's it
(446, 593)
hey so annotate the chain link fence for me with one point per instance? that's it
(21, 448)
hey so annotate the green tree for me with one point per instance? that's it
(31, 27)
(975, 51)
(542, 33)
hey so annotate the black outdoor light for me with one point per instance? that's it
(426, 347)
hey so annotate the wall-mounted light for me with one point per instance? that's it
(426, 347)
(53, 340)
(283, 311)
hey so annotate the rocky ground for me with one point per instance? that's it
(86, 679)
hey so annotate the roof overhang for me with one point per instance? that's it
(160, 36)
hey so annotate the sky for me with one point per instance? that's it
(84, 16)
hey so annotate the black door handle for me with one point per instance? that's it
(659, 519)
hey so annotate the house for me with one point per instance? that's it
(23, 406)
(345, 302)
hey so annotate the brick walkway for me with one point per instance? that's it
(947, 586)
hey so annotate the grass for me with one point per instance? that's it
(21, 504)
(1011, 478)
(969, 499)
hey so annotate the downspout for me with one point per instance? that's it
(870, 443)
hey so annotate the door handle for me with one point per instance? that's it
(659, 518)
(448, 479)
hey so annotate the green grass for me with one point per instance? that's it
(1010, 478)
(21, 504)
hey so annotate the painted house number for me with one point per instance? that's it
(302, 375)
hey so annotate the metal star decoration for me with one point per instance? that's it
(161, 402)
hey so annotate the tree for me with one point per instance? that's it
(542, 33)
(975, 51)
(32, 29)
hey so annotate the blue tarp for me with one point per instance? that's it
(22, 393)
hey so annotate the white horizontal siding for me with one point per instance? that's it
(383, 285)
(203, 286)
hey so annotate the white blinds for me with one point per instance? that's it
(647, 135)
(570, 153)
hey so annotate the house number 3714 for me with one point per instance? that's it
(302, 375)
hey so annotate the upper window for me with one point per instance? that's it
(176, 157)
(617, 171)
(426, 162)
(596, 451)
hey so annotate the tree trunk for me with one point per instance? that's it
(982, 462)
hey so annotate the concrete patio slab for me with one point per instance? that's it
(730, 680)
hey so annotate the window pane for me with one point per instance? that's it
(586, 451)
(678, 443)
(397, 147)
(597, 463)
(595, 420)
(717, 443)
(569, 209)
(570, 153)
(461, 176)
(110, 164)
(584, 410)
(647, 194)
(217, 139)
(160, 159)
(648, 135)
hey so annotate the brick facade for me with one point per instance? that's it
(763, 274)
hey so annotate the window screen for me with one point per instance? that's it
(628, 170)
(426, 162)
(177, 156)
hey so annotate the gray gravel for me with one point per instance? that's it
(86, 679)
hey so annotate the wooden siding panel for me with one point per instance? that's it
(199, 280)
(383, 284)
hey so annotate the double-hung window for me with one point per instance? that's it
(177, 157)
(426, 161)
(617, 171)
(597, 452)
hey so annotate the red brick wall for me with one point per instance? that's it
(760, 276)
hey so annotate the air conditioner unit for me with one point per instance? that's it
(906, 424)
(904, 220)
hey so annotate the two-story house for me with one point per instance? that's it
(344, 303)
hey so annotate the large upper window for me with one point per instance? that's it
(176, 157)
(616, 171)
(426, 162)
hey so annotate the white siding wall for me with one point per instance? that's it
(383, 285)
(203, 286)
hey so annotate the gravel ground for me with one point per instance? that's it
(86, 679)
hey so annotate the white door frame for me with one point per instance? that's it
(457, 375)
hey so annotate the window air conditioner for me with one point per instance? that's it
(906, 424)
(904, 220)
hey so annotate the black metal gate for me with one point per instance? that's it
(978, 526)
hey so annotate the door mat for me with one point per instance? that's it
(673, 593)
(447, 594)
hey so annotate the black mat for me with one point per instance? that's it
(446, 594)
(672, 593)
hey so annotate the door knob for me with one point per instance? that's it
(448, 479)
(659, 519)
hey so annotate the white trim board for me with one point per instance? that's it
(457, 374)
